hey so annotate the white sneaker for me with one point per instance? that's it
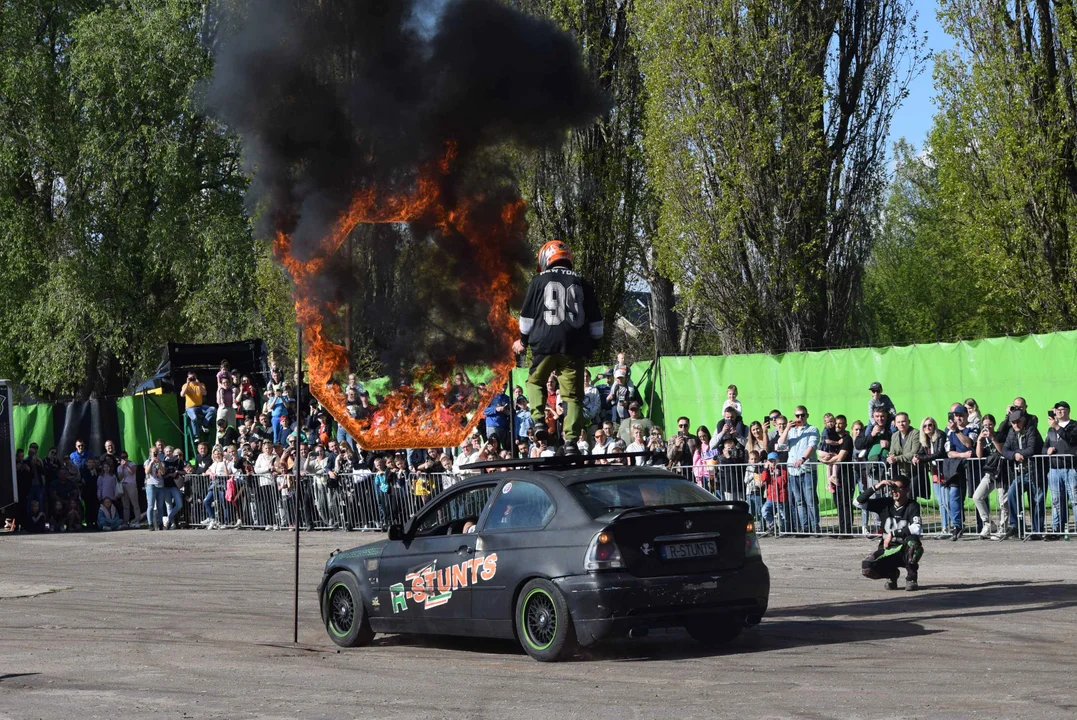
(207, 522)
(988, 531)
(167, 523)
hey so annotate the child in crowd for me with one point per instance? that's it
(36, 522)
(731, 400)
(107, 516)
(829, 444)
(73, 516)
(59, 514)
(107, 483)
(753, 485)
(775, 480)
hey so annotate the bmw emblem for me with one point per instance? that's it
(687, 524)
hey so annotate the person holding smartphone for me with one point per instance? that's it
(155, 485)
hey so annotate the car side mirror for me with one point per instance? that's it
(396, 532)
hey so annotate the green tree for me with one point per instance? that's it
(922, 283)
(594, 190)
(121, 203)
(1005, 145)
(767, 126)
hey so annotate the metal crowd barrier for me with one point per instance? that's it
(1043, 481)
(350, 501)
(354, 502)
(799, 509)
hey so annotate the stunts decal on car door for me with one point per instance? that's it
(432, 588)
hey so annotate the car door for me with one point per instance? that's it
(425, 580)
(514, 544)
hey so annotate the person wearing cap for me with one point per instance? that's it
(561, 322)
(621, 394)
(1061, 444)
(226, 434)
(901, 546)
(880, 400)
(635, 417)
(1023, 442)
(961, 445)
(498, 423)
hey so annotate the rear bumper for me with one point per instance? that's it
(605, 604)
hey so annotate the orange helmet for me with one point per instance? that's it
(553, 251)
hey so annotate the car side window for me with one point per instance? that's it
(520, 506)
(449, 515)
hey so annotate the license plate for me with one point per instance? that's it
(685, 551)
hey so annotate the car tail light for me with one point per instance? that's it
(603, 553)
(751, 542)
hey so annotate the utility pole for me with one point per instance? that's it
(298, 471)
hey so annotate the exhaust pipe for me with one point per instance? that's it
(752, 620)
(638, 632)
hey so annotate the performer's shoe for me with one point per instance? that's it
(911, 585)
(891, 584)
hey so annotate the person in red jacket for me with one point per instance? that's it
(775, 487)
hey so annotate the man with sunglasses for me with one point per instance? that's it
(678, 452)
(900, 546)
(801, 440)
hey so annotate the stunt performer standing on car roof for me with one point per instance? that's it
(561, 323)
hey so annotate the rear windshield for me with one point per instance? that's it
(600, 497)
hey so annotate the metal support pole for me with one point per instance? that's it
(298, 471)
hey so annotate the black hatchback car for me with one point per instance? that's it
(556, 555)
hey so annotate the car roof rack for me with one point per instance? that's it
(556, 462)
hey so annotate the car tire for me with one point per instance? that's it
(716, 632)
(346, 620)
(543, 622)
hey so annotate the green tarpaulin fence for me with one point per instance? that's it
(138, 426)
(921, 379)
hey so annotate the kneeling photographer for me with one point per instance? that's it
(901, 546)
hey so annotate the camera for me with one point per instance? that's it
(1013, 408)
(1051, 413)
(950, 416)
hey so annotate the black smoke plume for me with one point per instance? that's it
(337, 96)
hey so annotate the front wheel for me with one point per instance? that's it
(345, 615)
(543, 623)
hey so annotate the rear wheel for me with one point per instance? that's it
(543, 622)
(345, 615)
(716, 632)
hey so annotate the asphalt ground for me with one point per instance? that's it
(198, 624)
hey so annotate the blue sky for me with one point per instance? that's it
(913, 119)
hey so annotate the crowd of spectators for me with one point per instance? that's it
(246, 447)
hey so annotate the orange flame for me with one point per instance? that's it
(407, 417)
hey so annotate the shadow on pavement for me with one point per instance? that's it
(959, 600)
(769, 636)
(12, 676)
(675, 643)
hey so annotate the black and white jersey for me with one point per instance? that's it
(560, 314)
(902, 522)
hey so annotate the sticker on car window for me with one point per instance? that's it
(505, 490)
(432, 588)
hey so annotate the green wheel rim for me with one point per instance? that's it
(340, 610)
(538, 619)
